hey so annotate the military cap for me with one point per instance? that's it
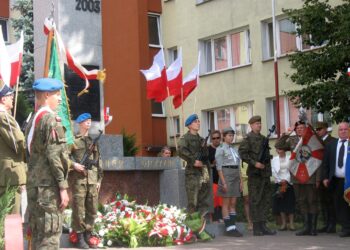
(227, 130)
(283, 145)
(190, 119)
(83, 117)
(47, 85)
(254, 119)
(320, 125)
(4, 89)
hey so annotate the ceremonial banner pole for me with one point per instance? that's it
(48, 53)
(16, 98)
(278, 127)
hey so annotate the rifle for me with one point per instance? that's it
(203, 153)
(264, 156)
(25, 123)
(85, 161)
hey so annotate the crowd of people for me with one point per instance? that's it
(247, 173)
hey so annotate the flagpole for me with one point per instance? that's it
(195, 94)
(182, 110)
(172, 125)
(16, 98)
(278, 129)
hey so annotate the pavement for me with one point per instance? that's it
(283, 240)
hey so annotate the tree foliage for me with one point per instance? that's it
(129, 144)
(24, 22)
(322, 73)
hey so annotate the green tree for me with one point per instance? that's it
(129, 144)
(322, 73)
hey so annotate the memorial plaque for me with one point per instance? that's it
(118, 164)
(157, 163)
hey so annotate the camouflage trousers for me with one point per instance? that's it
(16, 201)
(307, 198)
(84, 206)
(45, 219)
(259, 199)
(198, 191)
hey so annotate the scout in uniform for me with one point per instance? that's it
(259, 174)
(12, 149)
(84, 183)
(230, 183)
(47, 167)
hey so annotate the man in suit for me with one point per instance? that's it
(334, 172)
(325, 197)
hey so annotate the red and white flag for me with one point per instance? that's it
(189, 84)
(156, 79)
(306, 157)
(15, 53)
(174, 76)
(69, 59)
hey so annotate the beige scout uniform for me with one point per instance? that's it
(12, 151)
(47, 173)
(84, 188)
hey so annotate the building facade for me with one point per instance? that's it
(235, 42)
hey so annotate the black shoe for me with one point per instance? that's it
(313, 230)
(233, 233)
(81, 244)
(257, 229)
(323, 229)
(265, 230)
(307, 226)
(344, 234)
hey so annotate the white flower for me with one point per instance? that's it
(109, 243)
(100, 245)
(101, 232)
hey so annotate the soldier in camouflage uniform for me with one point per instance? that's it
(258, 177)
(47, 167)
(197, 179)
(84, 183)
(197, 172)
(12, 149)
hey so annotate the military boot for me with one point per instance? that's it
(313, 224)
(81, 244)
(257, 229)
(307, 226)
(265, 230)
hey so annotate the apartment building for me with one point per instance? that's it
(235, 42)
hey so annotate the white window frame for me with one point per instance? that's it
(163, 112)
(7, 29)
(171, 57)
(202, 42)
(152, 14)
(175, 123)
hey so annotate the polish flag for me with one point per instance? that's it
(15, 53)
(174, 76)
(156, 79)
(189, 84)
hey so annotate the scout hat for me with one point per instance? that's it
(299, 123)
(320, 125)
(83, 117)
(190, 119)
(47, 85)
(227, 130)
(254, 119)
(4, 89)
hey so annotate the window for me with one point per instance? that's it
(289, 114)
(3, 24)
(236, 116)
(175, 126)
(225, 52)
(154, 30)
(287, 40)
(157, 109)
(172, 55)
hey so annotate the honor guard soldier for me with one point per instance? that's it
(47, 167)
(12, 149)
(85, 182)
(259, 173)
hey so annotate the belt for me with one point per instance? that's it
(231, 166)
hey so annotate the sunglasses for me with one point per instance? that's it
(215, 138)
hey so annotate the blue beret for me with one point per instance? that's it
(47, 84)
(83, 117)
(190, 119)
(5, 91)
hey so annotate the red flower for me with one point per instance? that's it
(73, 237)
(94, 241)
(122, 208)
(118, 204)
